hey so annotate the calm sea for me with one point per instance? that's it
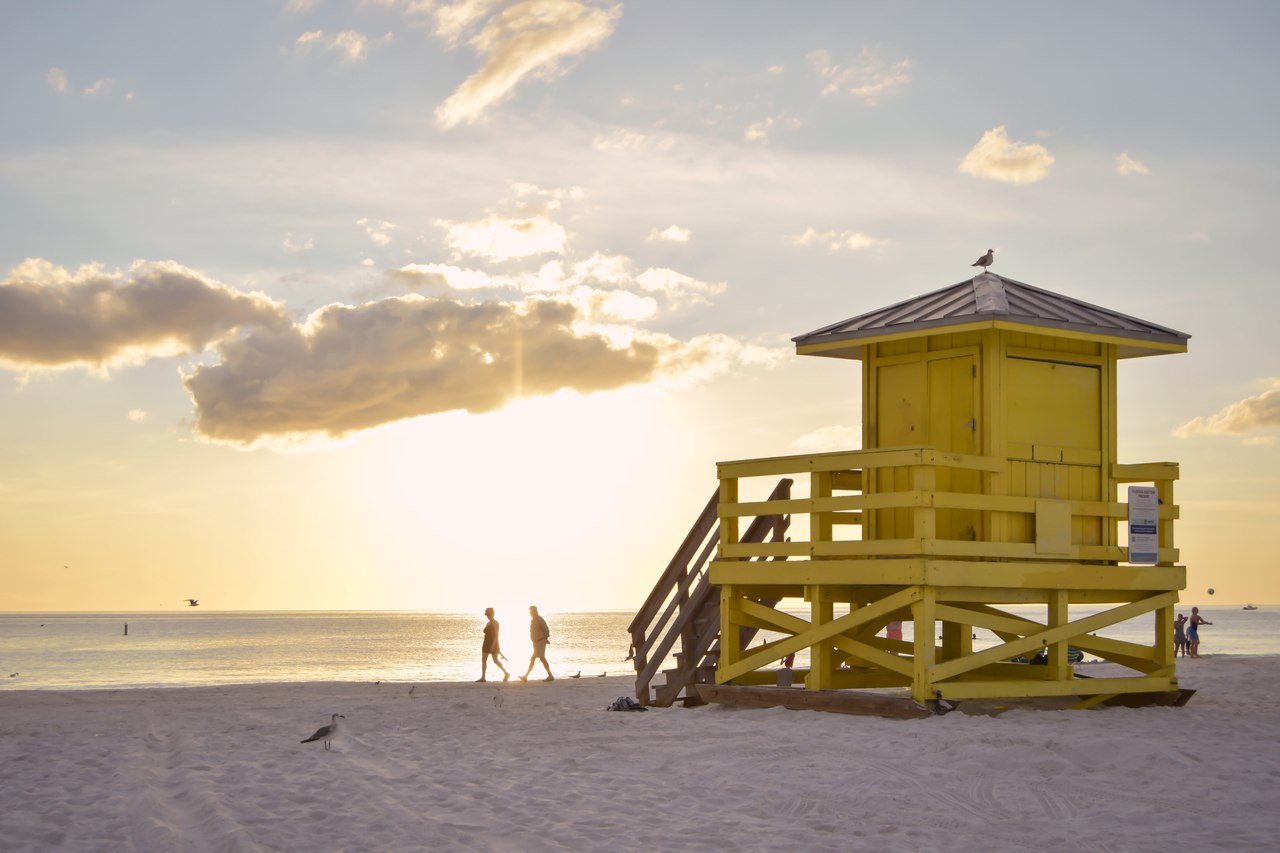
(91, 650)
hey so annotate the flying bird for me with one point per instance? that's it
(192, 602)
(985, 260)
(326, 733)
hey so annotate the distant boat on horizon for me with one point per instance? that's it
(1249, 607)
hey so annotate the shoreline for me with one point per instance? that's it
(537, 766)
(10, 686)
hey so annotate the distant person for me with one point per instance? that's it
(1193, 631)
(540, 634)
(1180, 635)
(491, 648)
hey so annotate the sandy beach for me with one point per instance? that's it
(545, 767)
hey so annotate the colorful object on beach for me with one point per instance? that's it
(326, 733)
(975, 405)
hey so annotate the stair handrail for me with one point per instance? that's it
(673, 587)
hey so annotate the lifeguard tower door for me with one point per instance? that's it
(1057, 428)
(927, 399)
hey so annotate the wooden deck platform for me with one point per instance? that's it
(835, 701)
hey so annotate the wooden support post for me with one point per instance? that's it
(1164, 491)
(820, 526)
(728, 524)
(924, 518)
(1059, 670)
(957, 640)
(822, 654)
(923, 620)
(730, 645)
(1165, 653)
(951, 639)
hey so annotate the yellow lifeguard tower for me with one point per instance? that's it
(989, 477)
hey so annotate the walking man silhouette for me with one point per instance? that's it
(540, 634)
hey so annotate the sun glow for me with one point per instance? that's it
(511, 507)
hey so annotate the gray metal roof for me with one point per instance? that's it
(994, 298)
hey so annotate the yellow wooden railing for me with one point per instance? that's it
(842, 494)
(923, 575)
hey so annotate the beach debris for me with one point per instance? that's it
(13, 675)
(626, 703)
(986, 260)
(1211, 590)
(326, 733)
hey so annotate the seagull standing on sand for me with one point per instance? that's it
(985, 260)
(326, 733)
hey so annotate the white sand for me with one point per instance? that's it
(544, 767)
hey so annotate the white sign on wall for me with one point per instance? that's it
(1144, 521)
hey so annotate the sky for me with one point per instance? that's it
(399, 304)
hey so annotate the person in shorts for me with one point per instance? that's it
(540, 634)
(1180, 635)
(490, 647)
(1193, 631)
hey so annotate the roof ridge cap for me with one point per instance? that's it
(989, 294)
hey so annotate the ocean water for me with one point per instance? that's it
(195, 648)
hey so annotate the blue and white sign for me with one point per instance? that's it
(1144, 525)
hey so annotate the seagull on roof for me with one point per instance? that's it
(326, 733)
(192, 602)
(985, 260)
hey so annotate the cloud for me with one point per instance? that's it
(670, 234)
(137, 416)
(705, 357)
(351, 45)
(351, 368)
(379, 232)
(50, 317)
(607, 269)
(591, 283)
(835, 241)
(501, 238)
(998, 158)
(304, 42)
(444, 276)
(759, 131)
(528, 38)
(300, 5)
(678, 288)
(1126, 165)
(869, 78)
(622, 139)
(1251, 414)
(297, 245)
(57, 79)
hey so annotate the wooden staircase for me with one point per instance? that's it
(684, 608)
